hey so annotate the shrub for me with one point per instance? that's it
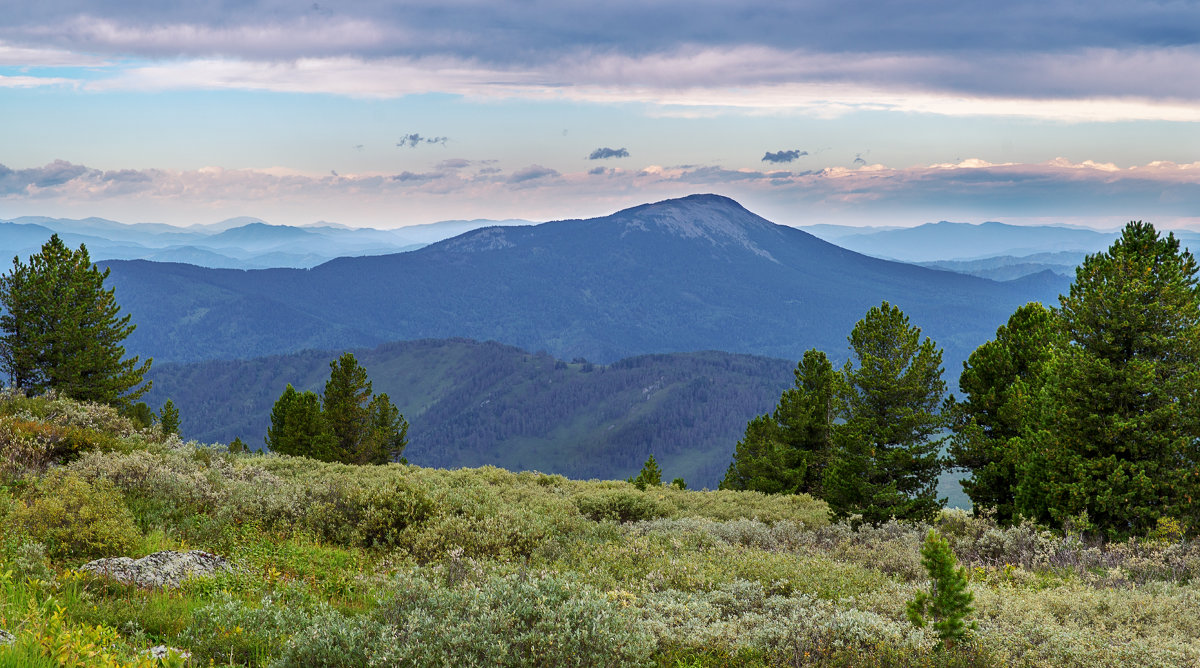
(619, 506)
(76, 519)
(544, 620)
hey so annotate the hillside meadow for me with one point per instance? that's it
(398, 565)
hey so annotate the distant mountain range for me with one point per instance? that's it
(1008, 267)
(946, 241)
(697, 273)
(472, 404)
(237, 243)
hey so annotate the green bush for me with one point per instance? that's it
(619, 506)
(370, 515)
(76, 519)
(543, 619)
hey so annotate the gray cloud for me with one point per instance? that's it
(598, 171)
(783, 156)
(407, 176)
(454, 163)
(531, 173)
(858, 161)
(1024, 48)
(413, 140)
(530, 31)
(604, 153)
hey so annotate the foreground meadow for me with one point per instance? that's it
(338, 565)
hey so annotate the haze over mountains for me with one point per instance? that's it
(697, 273)
(237, 243)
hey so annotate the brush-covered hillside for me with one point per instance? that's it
(336, 565)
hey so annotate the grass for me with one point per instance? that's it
(401, 565)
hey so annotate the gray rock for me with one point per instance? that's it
(161, 569)
(163, 651)
(7, 638)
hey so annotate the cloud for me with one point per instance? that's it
(454, 163)
(1080, 58)
(413, 140)
(783, 156)
(1083, 191)
(532, 173)
(859, 160)
(604, 153)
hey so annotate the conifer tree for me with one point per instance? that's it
(298, 427)
(1119, 427)
(787, 451)
(347, 394)
(886, 461)
(948, 601)
(350, 425)
(389, 432)
(62, 330)
(1002, 381)
(168, 418)
(649, 476)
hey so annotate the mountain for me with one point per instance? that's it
(237, 243)
(471, 404)
(1008, 267)
(697, 273)
(966, 241)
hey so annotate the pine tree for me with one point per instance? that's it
(1119, 426)
(168, 418)
(886, 461)
(389, 432)
(787, 451)
(298, 427)
(345, 408)
(649, 476)
(1002, 381)
(63, 331)
(366, 428)
(948, 601)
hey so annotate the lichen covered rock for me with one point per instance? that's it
(162, 569)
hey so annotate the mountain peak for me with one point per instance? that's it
(714, 218)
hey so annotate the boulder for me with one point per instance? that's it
(162, 569)
(6, 638)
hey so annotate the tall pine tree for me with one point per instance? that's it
(1119, 427)
(62, 330)
(886, 459)
(1002, 381)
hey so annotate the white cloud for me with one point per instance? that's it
(1158, 191)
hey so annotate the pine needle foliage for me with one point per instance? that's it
(886, 458)
(62, 330)
(948, 601)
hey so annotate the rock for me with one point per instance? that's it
(161, 569)
(7, 638)
(163, 651)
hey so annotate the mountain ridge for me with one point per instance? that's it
(670, 276)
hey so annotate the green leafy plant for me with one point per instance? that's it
(948, 601)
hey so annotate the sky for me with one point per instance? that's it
(384, 114)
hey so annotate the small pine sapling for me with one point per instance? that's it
(948, 601)
(649, 476)
(168, 418)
